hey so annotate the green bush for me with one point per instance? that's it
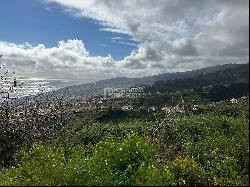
(114, 163)
(9, 144)
(219, 144)
(188, 172)
(41, 165)
(109, 163)
(181, 171)
(82, 132)
(154, 175)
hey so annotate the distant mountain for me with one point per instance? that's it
(193, 73)
(216, 71)
(209, 77)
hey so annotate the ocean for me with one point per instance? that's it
(14, 88)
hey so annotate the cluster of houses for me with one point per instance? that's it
(83, 105)
(233, 100)
(93, 103)
(174, 109)
(167, 110)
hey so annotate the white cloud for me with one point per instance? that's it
(69, 60)
(76, 46)
(228, 33)
(178, 28)
(184, 47)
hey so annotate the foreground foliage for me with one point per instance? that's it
(211, 148)
(130, 162)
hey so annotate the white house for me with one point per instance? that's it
(127, 108)
(234, 100)
(166, 109)
(152, 108)
(194, 108)
(244, 97)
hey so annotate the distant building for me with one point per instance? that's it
(127, 108)
(166, 109)
(234, 100)
(212, 104)
(176, 109)
(244, 97)
(152, 108)
(194, 108)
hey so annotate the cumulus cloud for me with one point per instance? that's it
(228, 33)
(173, 30)
(69, 59)
(183, 47)
(144, 57)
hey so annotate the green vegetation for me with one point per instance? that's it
(130, 148)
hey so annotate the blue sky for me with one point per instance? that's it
(31, 21)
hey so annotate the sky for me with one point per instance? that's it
(92, 40)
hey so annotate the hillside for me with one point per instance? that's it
(219, 84)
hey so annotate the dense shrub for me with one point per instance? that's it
(109, 163)
(181, 171)
(154, 175)
(219, 144)
(9, 144)
(83, 132)
(41, 165)
(225, 108)
(115, 163)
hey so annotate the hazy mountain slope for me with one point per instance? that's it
(239, 74)
(95, 87)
